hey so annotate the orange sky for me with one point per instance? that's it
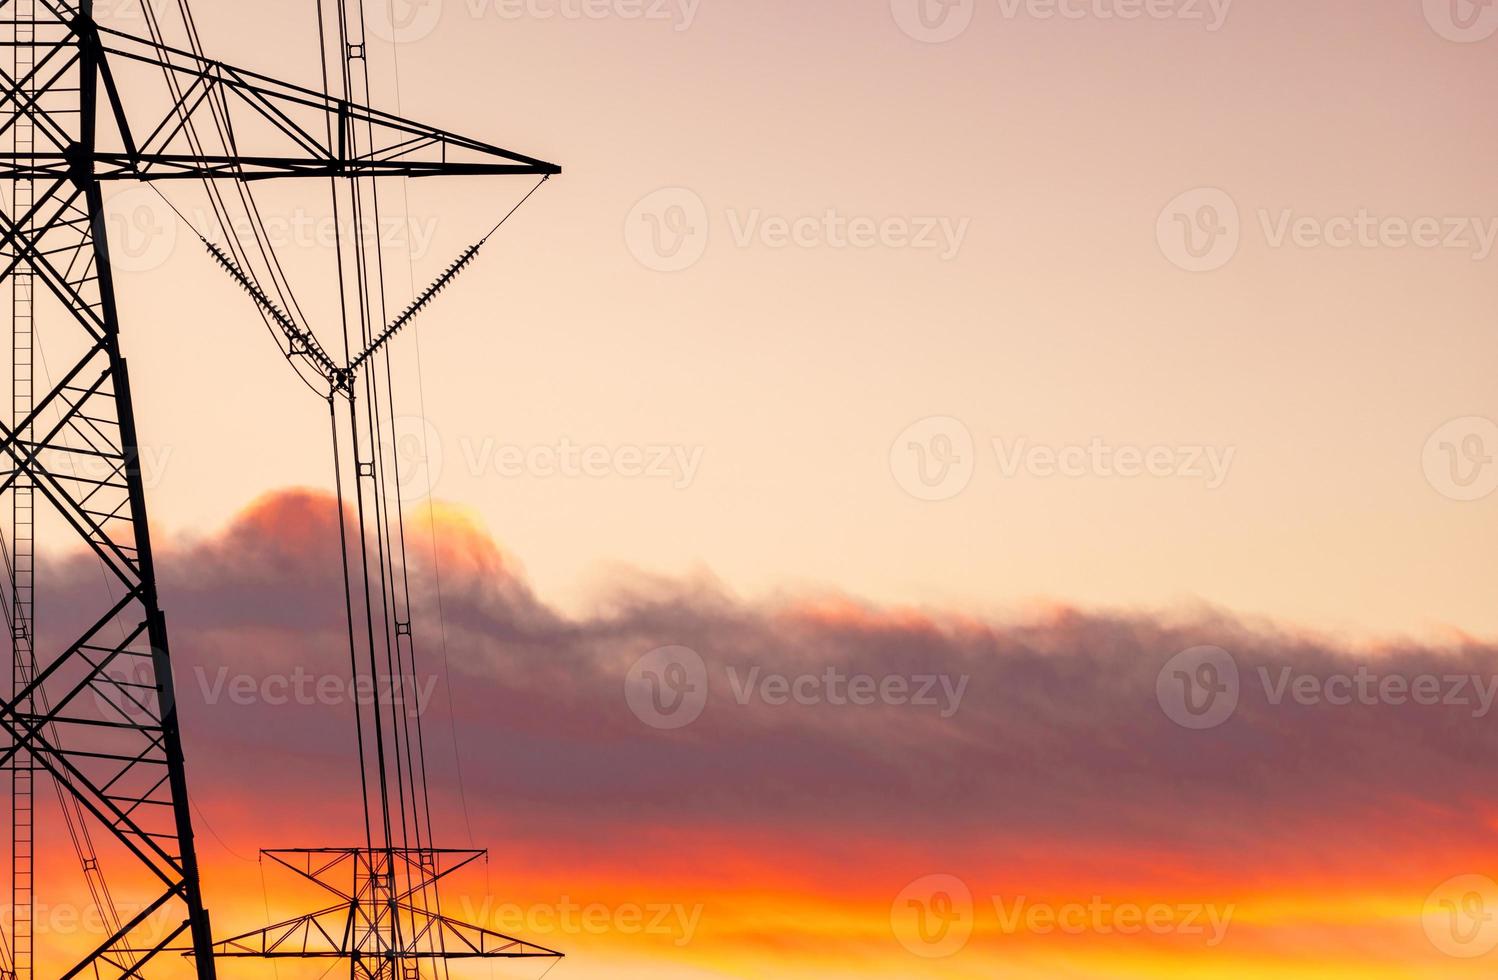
(1059, 822)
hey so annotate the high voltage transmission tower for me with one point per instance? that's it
(91, 709)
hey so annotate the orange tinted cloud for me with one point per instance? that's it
(1039, 762)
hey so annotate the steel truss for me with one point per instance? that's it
(375, 923)
(114, 744)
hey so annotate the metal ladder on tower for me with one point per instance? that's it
(23, 565)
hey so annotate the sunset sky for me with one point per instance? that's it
(1030, 356)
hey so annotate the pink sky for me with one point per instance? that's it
(785, 373)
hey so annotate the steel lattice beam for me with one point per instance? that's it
(114, 744)
(133, 784)
(375, 923)
(299, 132)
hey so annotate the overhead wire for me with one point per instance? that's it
(431, 506)
(395, 596)
(247, 282)
(366, 385)
(279, 307)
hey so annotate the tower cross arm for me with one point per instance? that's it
(256, 127)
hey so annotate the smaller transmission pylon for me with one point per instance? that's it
(376, 924)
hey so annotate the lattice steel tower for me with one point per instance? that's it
(91, 708)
